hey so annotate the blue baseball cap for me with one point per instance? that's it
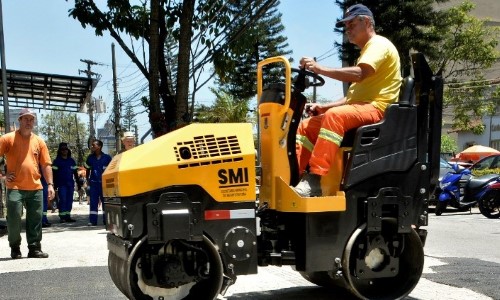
(354, 11)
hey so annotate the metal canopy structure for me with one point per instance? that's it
(48, 91)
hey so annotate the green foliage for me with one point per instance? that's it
(226, 109)
(468, 47)
(405, 23)
(485, 172)
(60, 126)
(448, 144)
(129, 118)
(236, 68)
(189, 34)
(458, 46)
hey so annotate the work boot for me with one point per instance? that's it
(69, 220)
(37, 253)
(15, 253)
(309, 186)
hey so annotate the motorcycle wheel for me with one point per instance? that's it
(489, 204)
(440, 207)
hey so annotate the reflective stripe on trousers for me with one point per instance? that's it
(325, 133)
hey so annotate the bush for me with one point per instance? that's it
(485, 171)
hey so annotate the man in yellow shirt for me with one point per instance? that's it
(27, 157)
(376, 79)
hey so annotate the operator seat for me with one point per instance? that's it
(387, 146)
(406, 98)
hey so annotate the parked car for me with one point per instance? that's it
(489, 162)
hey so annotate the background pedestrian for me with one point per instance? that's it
(95, 164)
(65, 176)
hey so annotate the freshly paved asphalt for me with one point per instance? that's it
(77, 268)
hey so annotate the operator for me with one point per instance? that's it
(375, 82)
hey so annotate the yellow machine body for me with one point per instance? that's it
(218, 157)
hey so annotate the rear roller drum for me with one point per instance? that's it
(385, 265)
(130, 275)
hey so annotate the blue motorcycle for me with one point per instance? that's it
(461, 190)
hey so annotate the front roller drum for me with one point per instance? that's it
(387, 265)
(128, 277)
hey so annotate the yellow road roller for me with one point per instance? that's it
(190, 211)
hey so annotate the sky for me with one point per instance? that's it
(40, 37)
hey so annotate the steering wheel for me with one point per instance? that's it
(302, 82)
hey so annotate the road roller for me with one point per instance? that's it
(190, 211)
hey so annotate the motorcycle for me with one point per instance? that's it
(489, 203)
(461, 190)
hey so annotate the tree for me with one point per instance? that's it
(406, 23)
(459, 47)
(226, 109)
(129, 120)
(236, 68)
(448, 144)
(200, 30)
(59, 126)
(466, 50)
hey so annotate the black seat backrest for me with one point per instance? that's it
(406, 99)
(389, 145)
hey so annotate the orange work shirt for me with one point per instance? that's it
(24, 156)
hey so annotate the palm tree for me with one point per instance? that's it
(226, 109)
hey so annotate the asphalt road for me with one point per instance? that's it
(462, 262)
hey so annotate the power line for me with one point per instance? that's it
(327, 54)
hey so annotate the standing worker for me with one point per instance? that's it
(376, 79)
(65, 174)
(96, 163)
(27, 158)
(128, 140)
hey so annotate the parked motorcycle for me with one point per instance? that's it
(489, 202)
(461, 190)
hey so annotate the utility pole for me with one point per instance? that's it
(89, 73)
(6, 116)
(78, 144)
(116, 102)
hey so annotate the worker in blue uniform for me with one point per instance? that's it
(65, 173)
(95, 164)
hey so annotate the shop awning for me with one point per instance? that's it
(47, 91)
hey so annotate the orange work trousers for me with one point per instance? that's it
(319, 137)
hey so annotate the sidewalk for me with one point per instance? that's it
(68, 244)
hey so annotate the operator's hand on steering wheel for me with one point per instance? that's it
(309, 64)
(314, 109)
